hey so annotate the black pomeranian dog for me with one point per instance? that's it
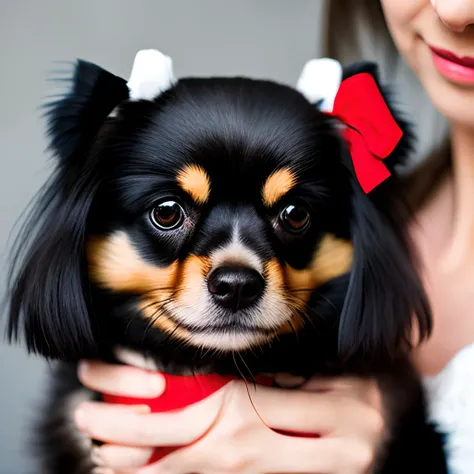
(205, 221)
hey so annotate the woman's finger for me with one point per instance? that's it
(103, 470)
(120, 457)
(322, 456)
(215, 455)
(329, 384)
(276, 454)
(365, 389)
(121, 380)
(182, 461)
(109, 423)
(307, 412)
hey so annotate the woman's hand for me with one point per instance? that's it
(229, 431)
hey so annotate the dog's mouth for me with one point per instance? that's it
(231, 327)
(227, 307)
(238, 333)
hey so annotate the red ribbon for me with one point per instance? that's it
(372, 132)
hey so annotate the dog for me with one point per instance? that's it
(224, 225)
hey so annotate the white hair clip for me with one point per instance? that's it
(319, 82)
(152, 74)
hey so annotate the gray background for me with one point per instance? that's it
(262, 38)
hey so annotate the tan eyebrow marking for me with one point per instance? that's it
(277, 185)
(195, 181)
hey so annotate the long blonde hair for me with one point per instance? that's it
(356, 30)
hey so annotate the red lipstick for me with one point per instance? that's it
(465, 61)
(454, 68)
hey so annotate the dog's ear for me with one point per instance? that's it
(385, 300)
(386, 305)
(48, 279)
(49, 289)
(75, 118)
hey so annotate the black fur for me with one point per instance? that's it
(112, 171)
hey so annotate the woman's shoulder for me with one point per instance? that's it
(451, 408)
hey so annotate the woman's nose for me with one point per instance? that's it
(455, 14)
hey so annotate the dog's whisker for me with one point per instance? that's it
(300, 290)
(252, 378)
(312, 290)
(325, 298)
(159, 312)
(157, 290)
(295, 304)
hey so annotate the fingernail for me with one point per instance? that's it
(96, 457)
(156, 385)
(82, 368)
(102, 470)
(140, 409)
(288, 380)
(80, 418)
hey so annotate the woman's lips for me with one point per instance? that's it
(454, 68)
(462, 61)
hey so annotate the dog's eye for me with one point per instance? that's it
(295, 218)
(167, 215)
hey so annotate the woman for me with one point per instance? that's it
(427, 34)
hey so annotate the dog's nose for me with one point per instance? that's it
(235, 287)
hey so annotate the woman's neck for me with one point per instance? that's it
(460, 245)
(444, 236)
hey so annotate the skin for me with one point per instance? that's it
(445, 227)
(224, 432)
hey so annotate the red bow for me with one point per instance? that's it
(372, 132)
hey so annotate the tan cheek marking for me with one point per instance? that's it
(195, 181)
(275, 285)
(115, 264)
(150, 310)
(277, 185)
(333, 258)
(189, 289)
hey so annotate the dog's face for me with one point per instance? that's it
(222, 207)
(219, 215)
